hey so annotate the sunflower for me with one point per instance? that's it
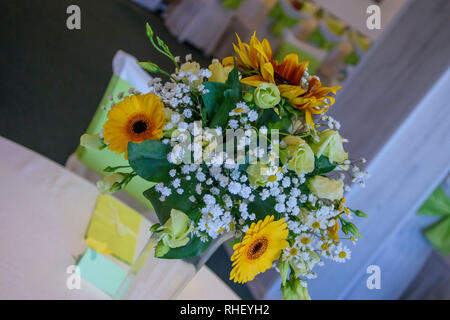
(257, 57)
(136, 118)
(315, 100)
(262, 244)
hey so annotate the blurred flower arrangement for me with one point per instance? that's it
(278, 192)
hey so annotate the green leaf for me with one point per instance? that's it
(262, 208)
(154, 228)
(174, 201)
(322, 165)
(221, 98)
(267, 118)
(439, 236)
(149, 160)
(438, 204)
(233, 82)
(221, 117)
(161, 249)
(353, 229)
(214, 98)
(193, 248)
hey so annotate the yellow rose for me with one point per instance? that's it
(298, 155)
(327, 188)
(330, 145)
(219, 73)
(192, 67)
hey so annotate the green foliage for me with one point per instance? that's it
(262, 208)
(321, 166)
(267, 118)
(348, 227)
(161, 46)
(193, 248)
(438, 234)
(174, 201)
(149, 160)
(222, 98)
(438, 204)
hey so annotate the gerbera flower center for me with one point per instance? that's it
(257, 248)
(139, 126)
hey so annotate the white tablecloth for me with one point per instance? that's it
(44, 211)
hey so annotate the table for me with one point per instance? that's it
(45, 210)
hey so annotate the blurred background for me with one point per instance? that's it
(393, 107)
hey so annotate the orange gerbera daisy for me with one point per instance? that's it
(136, 119)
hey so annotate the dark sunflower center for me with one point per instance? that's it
(257, 248)
(139, 126)
(281, 80)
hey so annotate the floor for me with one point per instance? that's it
(52, 78)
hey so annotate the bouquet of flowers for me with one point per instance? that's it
(243, 150)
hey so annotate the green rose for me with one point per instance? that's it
(92, 141)
(298, 155)
(293, 290)
(327, 188)
(330, 145)
(267, 96)
(174, 233)
(111, 182)
(256, 174)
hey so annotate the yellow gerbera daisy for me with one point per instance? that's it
(136, 118)
(262, 244)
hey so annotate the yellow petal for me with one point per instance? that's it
(254, 80)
